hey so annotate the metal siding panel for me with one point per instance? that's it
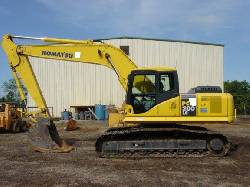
(64, 84)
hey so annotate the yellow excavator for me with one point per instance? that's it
(155, 113)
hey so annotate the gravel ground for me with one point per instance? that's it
(20, 166)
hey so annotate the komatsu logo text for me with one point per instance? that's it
(57, 54)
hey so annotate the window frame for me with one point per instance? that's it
(125, 49)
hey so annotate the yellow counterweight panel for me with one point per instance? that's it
(230, 107)
(212, 104)
(215, 105)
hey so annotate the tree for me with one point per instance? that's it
(241, 92)
(11, 92)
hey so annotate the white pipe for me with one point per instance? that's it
(27, 37)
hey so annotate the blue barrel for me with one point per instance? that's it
(100, 112)
(65, 115)
(106, 112)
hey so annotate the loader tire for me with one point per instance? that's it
(15, 127)
(23, 126)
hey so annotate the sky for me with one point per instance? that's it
(213, 21)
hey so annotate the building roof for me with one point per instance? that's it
(166, 40)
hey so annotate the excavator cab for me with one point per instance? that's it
(147, 88)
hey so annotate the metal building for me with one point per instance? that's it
(67, 84)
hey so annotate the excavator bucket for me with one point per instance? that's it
(44, 137)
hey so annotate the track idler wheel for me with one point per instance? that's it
(218, 146)
(44, 137)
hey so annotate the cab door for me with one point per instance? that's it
(142, 91)
(155, 92)
(168, 99)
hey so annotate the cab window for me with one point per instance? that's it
(143, 84)
(166, 82)
(143, 93)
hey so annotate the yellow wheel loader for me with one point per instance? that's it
(154, 114)
(11, 118)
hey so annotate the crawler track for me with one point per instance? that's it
(171, 141)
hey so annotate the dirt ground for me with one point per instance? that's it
(20, 166)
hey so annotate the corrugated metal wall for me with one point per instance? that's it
(69, 84)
